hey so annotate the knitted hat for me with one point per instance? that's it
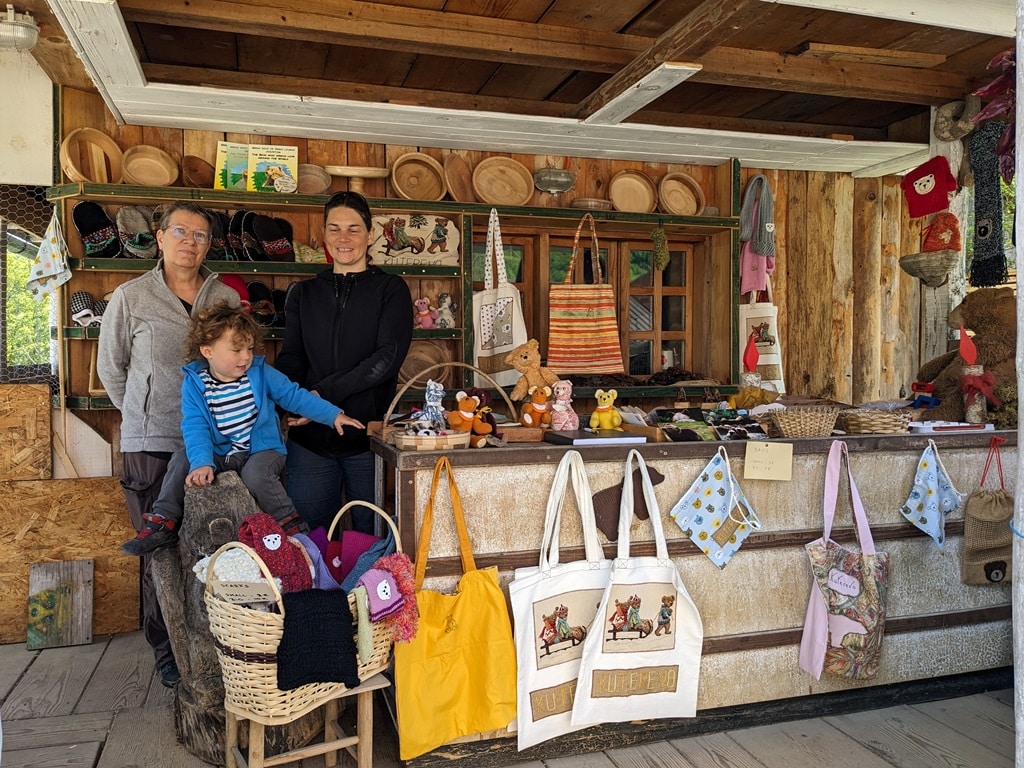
(319, 537)
(322, 578)
(283, 557)
(135, 231)
(988, 540)
(758, 227)
(342, 555)
(382, 593)
(97, 230)
(927, 187)
(272, 238)
(988, 266)
(404, 622)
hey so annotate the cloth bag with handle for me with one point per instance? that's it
(458, 675)
(641, 659)
(846, 610)
(499, 323)
(554, 605)
(583, 333)
(988, 538)
(761, 319)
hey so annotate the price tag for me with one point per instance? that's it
(768, 461)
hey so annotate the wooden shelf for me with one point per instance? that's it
(252, 267)
(269, 333)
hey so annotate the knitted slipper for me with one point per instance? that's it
(219, 238)
(99, 306)
(97, 230)
(135, 230)
(235, 234)
(262, 301)
(250, 243)
(272, 239)
(81, 309)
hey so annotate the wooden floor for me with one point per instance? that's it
(101, 706)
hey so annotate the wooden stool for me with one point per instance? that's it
(359, 746)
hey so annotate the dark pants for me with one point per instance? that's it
(141, 477)
(318, 485)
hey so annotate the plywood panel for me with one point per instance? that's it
(25, 432)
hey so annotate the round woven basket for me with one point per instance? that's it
(805, 421)
(90, 155)
(423, 354)
(931, 268)
(876, 421)
(416, 176)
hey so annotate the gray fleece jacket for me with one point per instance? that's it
(141, 350)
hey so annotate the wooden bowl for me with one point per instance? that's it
(147, 166)
(591, 204)
(459, 177)
(633, 192)
(313, 179)
(90, 155)
(424, 353)
(503, 181)
(680, 194)
(416, 176)
(196, 172)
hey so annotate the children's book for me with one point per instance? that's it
(595, 437)
(232, 165)
(273, 168)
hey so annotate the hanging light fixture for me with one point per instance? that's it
(18, 31)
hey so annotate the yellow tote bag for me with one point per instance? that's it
(458, 675)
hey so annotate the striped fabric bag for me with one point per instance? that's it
(583, 335)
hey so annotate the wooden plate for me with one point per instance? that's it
(633, 192)
(503, 181)
(591, 204)
(416, 176)
(313, 179)
(459, 177)
(423, 354)
(148, 166)
(196, 172)
(90, 155)
(680, 194)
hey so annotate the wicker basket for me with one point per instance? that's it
(875, 421)
(805, 421)
(435, 442)
(246, 640)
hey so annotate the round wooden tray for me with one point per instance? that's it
(313, 179)
(423, 354)
(356, 174)
(591, 204)
(459, 177)
(90, 155)
(632, 192)
(148, 166)
(196, 172)
(416, 176)
(503, 181)
(680, 194)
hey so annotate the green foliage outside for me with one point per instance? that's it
(27, 321)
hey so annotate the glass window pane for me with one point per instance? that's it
(672, 354)
(513, 262)
(641, 272)
(674, 275)
(641, 313)
(640, 357)
(673, 313)
(559, 255)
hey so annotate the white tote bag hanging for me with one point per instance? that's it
(499, 325)
(642, 658)
(554, 606)
(761, 318)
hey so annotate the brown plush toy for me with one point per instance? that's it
(467, 419)
(526, 359)
(536, 411)
(991, 313)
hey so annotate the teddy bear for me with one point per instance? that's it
(535, 411)
(445, 311)
(606, 415)
(425, 314)
(468, 419)
(665, 615)
(526, 360)
(991, 313)
(563, 417)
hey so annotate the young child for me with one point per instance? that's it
(229, 422)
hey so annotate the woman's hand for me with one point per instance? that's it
(198, 478)
(347, 421)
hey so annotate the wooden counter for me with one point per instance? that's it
(753, 609)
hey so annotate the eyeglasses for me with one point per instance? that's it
(181, 233)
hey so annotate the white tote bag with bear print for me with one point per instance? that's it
(641, 659)
(499, 325)
(554, 606)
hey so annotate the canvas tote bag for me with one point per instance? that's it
(499, 323)
(846, 610)
(554, 606)
(988, 539)
(641, 658)
(458, 675)
(761, 318)
(583, 334)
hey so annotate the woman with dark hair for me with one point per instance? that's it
(347, 331)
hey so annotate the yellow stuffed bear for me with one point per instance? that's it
(606, 415)
(526, 359)
(469, 419)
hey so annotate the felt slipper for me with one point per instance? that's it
(81, 309)
(272, 238)
(97, 230)
(235, 234)
(235, 281)
(250, 243)
(262, 302)
(99, 306)
(135, 231)
(219, 238)
(279, 296)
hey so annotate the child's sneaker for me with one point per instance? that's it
(293, 524)
(158, 532)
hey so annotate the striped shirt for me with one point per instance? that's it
(233, 407)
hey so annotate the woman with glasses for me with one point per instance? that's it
(347, 331)
(141, 350)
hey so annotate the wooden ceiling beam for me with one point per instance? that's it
(886, 56)
(706, 27)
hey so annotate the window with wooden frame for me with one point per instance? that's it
(520, 268)
(659, 323)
